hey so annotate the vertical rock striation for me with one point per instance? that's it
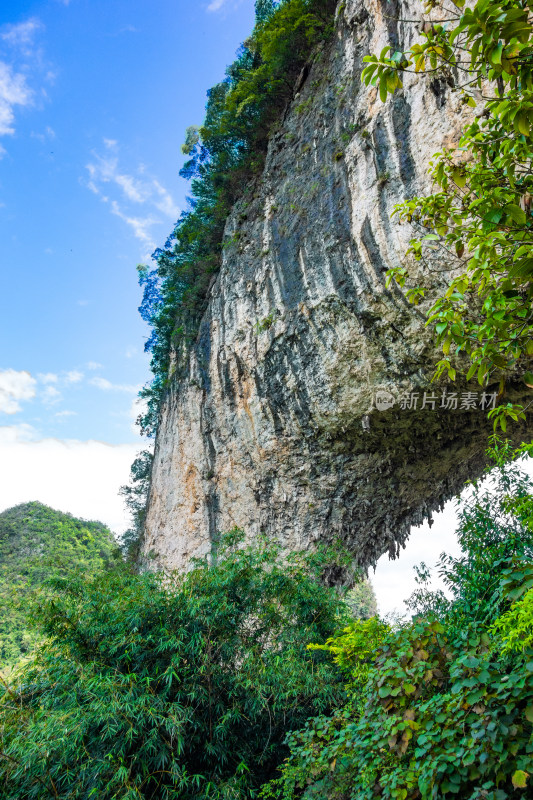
(273, 425)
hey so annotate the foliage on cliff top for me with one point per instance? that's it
(226, 152)
(441, 706)
(170, 686)
(479, 218)
(36, 541)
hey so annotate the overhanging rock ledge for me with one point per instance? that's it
(265, 428)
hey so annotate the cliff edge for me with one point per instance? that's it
(305, 411)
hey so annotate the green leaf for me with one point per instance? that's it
(522, 268)
(495, 56)
(471, 372)
(522, 123)
(516, 213)
(519, 779)
(494, 215)
(459, 177)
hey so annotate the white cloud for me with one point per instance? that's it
(80, 477)
(15, 387)
(22, 33)
(13, 92)
(12, 434)
(66, 414)
(48, 135)
(141, 225)
(131, 352)
(165, 204)
(107, 386)
(48, 377)
(126, 190)
(74, 376)
(51, 395)
(94, 365)
(138, 406)
(216, 5)
(105, 170)
(24, 59)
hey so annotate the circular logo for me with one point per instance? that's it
(384, 400)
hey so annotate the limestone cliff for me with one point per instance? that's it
(274, 427)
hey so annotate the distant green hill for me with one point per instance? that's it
(36, 542)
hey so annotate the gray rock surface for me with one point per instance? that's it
(274, 426)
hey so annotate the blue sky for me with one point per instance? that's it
(95, 97)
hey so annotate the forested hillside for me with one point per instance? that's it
(36, 543)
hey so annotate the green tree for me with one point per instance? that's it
(170, 686)
(442, 705)
(479, 216)
(361, 600)
(135, 496)
(264, 10)
(35, 543)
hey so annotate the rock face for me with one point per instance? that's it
(274, 427)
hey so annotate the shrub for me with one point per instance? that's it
(169, 686)
(447, 708)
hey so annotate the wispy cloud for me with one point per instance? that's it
(21, 34)
(15, 386)
(73, 376)
(48, 377)
(216, 5)
(127, 191)
(94, 365)
(107, 386)
(141, 225)
(20, 59)
(48, 134)
(51, 395)
(62, 414)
